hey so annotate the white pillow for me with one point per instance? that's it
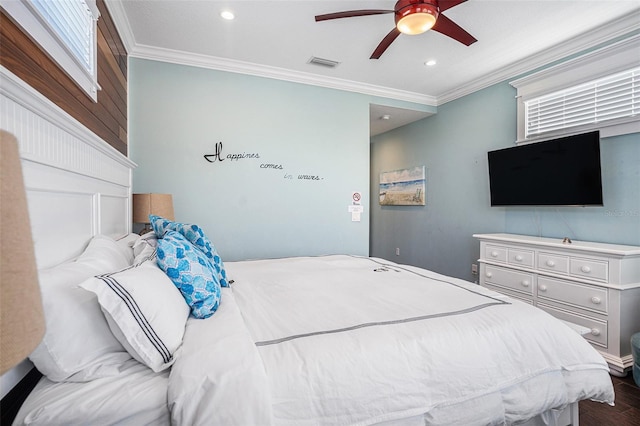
(145, 247)
(126, 244)
(106, 253)
(145, 312)
(78, 345)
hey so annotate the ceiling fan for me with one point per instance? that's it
(412, 17)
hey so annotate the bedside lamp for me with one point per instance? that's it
(148, 204)
(21, 317)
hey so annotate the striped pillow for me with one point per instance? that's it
(144, 310)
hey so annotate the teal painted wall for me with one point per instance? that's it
(618, 221)
(453, 145)
(180, 113)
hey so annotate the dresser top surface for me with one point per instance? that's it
(603, 248)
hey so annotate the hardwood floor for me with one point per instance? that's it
(626, 412)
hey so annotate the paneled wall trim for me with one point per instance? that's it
(49, 135)
(74, 180)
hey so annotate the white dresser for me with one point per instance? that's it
(593, 286)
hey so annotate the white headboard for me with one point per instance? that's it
(77, 185)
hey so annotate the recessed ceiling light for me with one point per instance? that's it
(385, 117)
(227, 14)
(430, 62)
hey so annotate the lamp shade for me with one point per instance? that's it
(157, 204)
(22, 322)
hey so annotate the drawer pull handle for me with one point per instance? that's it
(543, 288)
(525, 283)
(595, 332)
(488, 275)
(551, 263)
(494, 254)
(518, 258)
(585, 269)
(595, 300)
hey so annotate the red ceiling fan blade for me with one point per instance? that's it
(351, 13)
(449, 28)
(448, 4)
(385, 43)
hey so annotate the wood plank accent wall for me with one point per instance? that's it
(108, 117)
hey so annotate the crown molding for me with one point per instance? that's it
(119, 17)
(615, 57)
(241, 67)
(605, 33)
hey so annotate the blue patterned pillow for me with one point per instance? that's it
(195, 235)
(191, 272)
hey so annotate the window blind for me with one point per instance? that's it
(72, 21)
(615, 97)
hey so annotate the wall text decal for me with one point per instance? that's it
(219, 157)
(233, 157)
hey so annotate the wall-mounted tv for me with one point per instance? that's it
(559, 172)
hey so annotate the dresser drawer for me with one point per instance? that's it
(520, 257)
(514, 280)
(588, 268)
(521, 297)
(495, 253)
(553, 263)
(598, 334)
(580, 295)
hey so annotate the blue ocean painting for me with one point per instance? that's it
(404, 187)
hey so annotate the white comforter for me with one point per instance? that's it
(135, 397)
(348, 341)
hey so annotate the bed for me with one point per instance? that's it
(309, 340)
(351, 340)
(329, 340)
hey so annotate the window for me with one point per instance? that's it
(66, 30)
(616, 97)
(597, 91)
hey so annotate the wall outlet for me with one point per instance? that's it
(397, 251)
(474, 269)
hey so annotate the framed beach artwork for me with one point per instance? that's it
(404, 187)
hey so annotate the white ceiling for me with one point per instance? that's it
(277, 38)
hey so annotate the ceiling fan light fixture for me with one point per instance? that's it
(415, 16)
(416, 23)
(411, 17)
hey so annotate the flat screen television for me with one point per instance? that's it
(559, 172)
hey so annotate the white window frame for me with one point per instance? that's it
(607, 61)
(24, 13)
